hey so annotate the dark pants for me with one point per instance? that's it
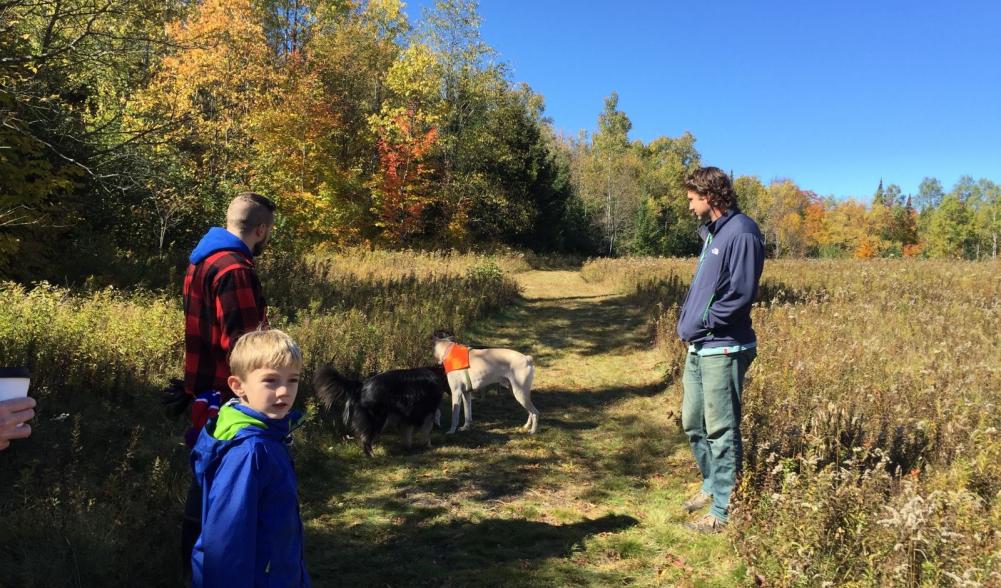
(191, 527)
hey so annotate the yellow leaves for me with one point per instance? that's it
(222, 69)
(385, 11)
(416, 78)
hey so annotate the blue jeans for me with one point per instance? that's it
(710, 415)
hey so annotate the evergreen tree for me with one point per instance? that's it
(880, 196)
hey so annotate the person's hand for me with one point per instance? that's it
(205, 407)
(13, 416)
(174, 399)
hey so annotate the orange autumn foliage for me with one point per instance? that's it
(866, 249)
(403, 190)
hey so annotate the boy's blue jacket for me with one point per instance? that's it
(251, 528)
(717, 310)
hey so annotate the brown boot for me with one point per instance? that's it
(707, 525)
(697, 502)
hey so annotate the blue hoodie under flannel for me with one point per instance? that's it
(717, 310)
(251, 527)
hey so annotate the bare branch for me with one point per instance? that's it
(10, 218)
(46, 55)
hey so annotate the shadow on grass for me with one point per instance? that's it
(564, 299)
(464, 513)
(549, 329)
(490, 552)
(494, 461)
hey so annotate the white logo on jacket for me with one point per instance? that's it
(715, 251)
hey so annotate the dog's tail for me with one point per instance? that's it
(333, 388)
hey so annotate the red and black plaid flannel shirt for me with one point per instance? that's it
(222, 300)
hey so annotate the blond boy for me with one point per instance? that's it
(251, 528)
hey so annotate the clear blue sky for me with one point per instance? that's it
(834, 95)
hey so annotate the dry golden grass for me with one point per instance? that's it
(871, 418)
(871, 429)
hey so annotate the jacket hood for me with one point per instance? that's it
(235, 424)
(218, 239)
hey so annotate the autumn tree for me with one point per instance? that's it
(781, 217)
(407, 128)
(67, 171)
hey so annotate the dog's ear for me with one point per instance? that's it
(441, 335)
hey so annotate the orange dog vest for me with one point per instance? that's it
(457, 358)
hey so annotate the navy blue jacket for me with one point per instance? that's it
(251, 527)
(717, 310)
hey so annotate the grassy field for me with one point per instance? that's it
(871, 418)
(871, 429)
(593, 499)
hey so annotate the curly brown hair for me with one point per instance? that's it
(714, 185)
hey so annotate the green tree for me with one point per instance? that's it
(609, 175)
(67, 72)
(985, 205)
(929, 194)
(893, 196)
(880, 196)
(752, 196)
(948, 233)
(564, 222)
(666, 163)
(648, 236)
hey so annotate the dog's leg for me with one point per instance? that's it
(426, 429)
(456, 409)
(521, 386)
(409, 433)
(346, 418)
(369, 427)
(467, 400)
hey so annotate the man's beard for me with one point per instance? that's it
(259, 247)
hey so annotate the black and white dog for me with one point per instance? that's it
(409, 398)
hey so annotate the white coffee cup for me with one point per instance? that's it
(14, 383)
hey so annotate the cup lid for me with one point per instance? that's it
(14, 372)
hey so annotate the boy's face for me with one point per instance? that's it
(270, 391)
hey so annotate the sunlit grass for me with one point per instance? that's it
(871, 429)
(871, 400)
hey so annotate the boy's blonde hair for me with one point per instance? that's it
(264, 349)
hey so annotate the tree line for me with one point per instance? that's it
(126, 127)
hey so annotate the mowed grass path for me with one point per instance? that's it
(593, 499)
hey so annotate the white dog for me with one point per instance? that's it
(470, 369)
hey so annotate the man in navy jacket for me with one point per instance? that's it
(715, 321)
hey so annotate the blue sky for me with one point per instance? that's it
(833, 95)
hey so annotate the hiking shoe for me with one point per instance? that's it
(697, 502)
(707, 525)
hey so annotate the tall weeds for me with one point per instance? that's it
(871, 418)
(94, 497)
